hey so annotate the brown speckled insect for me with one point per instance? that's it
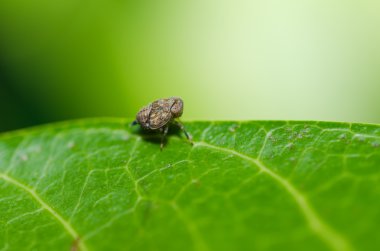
(160, 114)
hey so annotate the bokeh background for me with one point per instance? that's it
(237, 59)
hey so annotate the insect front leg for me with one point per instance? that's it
(164, 131)
(188, 135)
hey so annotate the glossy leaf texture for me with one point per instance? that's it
(99, 184)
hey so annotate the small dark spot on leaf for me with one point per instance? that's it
(375, 144)
(196, 183)
(233, 128)
(342, 136)
(75, 244)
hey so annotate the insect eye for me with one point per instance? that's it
(177, 109)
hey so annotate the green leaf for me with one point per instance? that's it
(101, 185)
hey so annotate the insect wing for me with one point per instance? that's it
(160, 113)
(143, 116)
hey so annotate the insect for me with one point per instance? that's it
(160, 114)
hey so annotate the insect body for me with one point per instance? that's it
(160, 114)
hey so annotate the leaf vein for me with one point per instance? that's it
(69, 228)
(332, 238)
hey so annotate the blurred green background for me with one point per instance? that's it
(238, 59)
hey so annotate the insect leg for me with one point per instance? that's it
(164, 133)
(188, 135)
(134, 123)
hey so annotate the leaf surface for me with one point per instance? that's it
(100, 185)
